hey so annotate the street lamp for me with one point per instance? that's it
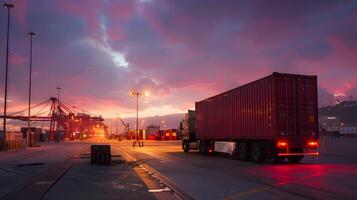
(137, 94)
(8, 6)
(58, 110)
(31, 34)
(116, 126)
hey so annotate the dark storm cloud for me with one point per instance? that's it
(182, 51)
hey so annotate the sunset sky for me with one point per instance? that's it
(180, 51)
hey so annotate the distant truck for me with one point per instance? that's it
(273, 117)
(188, 126)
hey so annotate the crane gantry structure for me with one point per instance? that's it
(126, 126)
(61, 117)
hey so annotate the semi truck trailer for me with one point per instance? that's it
(274, 117)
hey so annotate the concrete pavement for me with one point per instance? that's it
(19, 167)
(160, 170)
(63, 171)
(223, 177)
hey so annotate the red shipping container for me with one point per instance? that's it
(279, 105)
(169, 134)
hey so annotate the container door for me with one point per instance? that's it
(291, 103)
(306, 106)
(296, 105)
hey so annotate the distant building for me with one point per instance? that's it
(340, 118)
(330, 123)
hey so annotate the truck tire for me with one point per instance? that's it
(295, 159)
(186, 146)
(257, 153)
(203, 147)
(243, 151)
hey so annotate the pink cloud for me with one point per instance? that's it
(20, 11)
(121, 10)
(180, 51)
(17, 59)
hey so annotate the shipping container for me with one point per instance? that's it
(14, 140)
(152, 132)
(33, 138)
(169, 134)
(275, 116)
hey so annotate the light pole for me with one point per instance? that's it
(116, 127)
(8, 6)
(137, 94)
(58, 111)
(31, 34)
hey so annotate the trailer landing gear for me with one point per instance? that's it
(186, 146)
(203, 147)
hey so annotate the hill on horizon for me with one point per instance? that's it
(164, 121)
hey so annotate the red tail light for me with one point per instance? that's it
(210, 150)
(313, 144)
(282, 144)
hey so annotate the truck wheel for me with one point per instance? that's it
(257, 153)
(186, 146)
(295, 159)
(203, 147)
(243, 151)
(183, 144)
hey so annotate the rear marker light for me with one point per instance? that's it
(210, 150)
(282, 144)
(313, 144)
(299, 154)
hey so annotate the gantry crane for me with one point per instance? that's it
(60, 116)
(126, 126)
